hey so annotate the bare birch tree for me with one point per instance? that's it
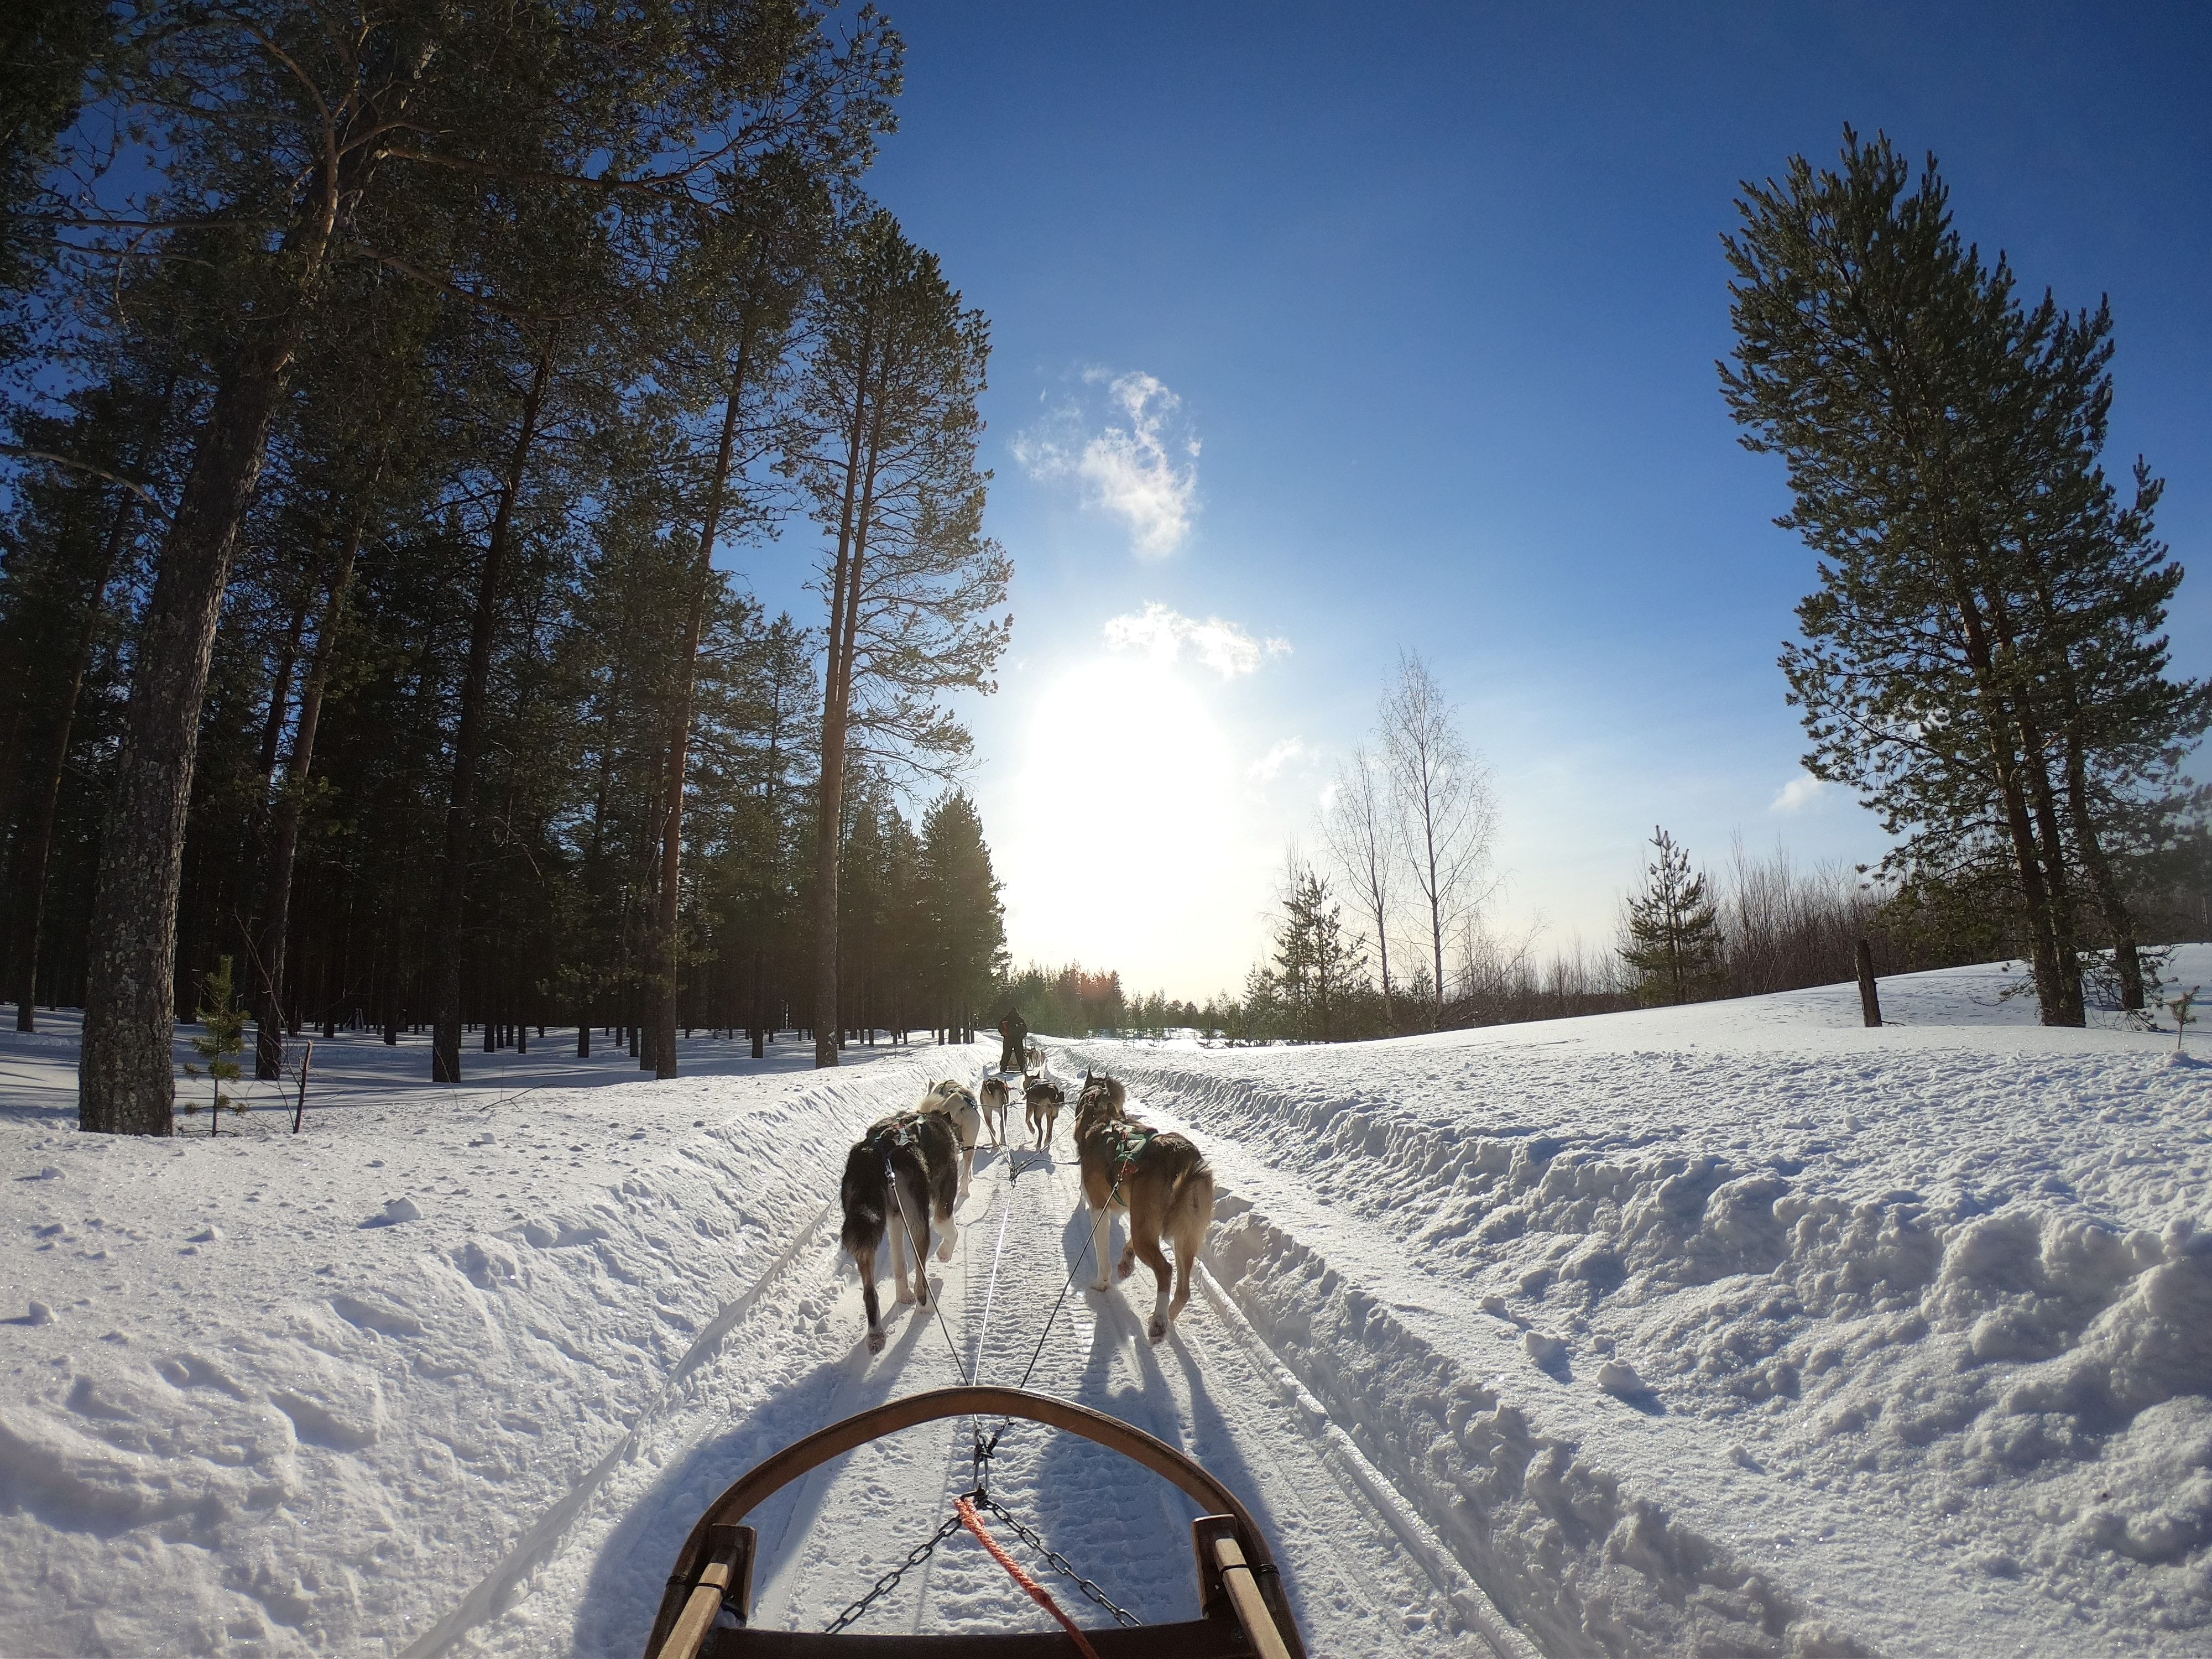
(1444, 812)
(1357, 830)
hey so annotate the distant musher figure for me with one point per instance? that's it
(1013, 1033)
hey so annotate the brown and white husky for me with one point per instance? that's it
(996, 1098)
(1045, 1098)
(899, 1178)
(1160, 1180)
(957, 1102)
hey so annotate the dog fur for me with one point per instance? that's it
(956, 1102)
(1045, 1098)
(1032, 1057)
(900, 1176)
(996, 1098)
(1162, 1181)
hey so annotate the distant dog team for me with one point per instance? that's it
(907, 1174)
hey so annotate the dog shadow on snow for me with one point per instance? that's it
(1117, 1521)
(1120, 1525)
(622, 1592)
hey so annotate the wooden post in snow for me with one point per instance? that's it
(299, 1111)
(1869, 1004)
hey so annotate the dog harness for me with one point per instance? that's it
(1130, 1142)
(899, 1132)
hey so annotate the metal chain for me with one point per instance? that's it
(983, 1449)
(914, 1557)
(1061, 1564)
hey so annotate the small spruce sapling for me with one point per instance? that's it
(225, 1019)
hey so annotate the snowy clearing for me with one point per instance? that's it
(1736, 1328)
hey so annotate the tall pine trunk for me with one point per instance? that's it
(2054, 974)
(679, 728)
(126, 1076)
(37, 843)
(126, 1073)
(468, 742)
(837, 699)
(284, 826)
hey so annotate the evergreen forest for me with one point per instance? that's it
(393, 401)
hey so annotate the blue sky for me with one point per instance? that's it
(1358, 329)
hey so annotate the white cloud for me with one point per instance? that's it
(1801, 791)
(1225, 648)
(1269, 765)
(1144, 472)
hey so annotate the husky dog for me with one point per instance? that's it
(996, 1098)
(898, 1178)
(1163, 1182)
(1045, 1099)
(1032, 1057)
(958, 1102)
(1107, 1092)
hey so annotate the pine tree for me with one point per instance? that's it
(1984, 661)
(909, 580)
(964, 944)
(219, 1045)
(1672, 931)
(1317, 964)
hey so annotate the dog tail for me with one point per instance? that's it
(864, 1198)
(1189, 1209)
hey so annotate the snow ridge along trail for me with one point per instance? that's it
(1741, 1328)
(798, 1361)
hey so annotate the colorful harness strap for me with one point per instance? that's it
(1131, 1141)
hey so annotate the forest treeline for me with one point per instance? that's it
(389, 396)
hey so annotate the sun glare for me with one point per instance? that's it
(1128, 843)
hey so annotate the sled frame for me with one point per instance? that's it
(1240, 1591)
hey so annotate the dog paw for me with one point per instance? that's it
(905, 1296)
(1098, 1284)
(875, 1341)
(945, 1251)
(1156, 1330)
(1123, 1270)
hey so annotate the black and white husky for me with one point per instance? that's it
(900, 1177)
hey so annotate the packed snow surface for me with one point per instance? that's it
(1736, 1328)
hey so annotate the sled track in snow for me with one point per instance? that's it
(546, 1532)
(789, 1355)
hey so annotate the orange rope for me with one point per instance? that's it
(1038, 1592)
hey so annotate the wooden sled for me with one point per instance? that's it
(1244, 1611)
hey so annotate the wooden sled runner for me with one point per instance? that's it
(1244, 1611)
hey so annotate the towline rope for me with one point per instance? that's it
(966, 1504)
(1037, 1593)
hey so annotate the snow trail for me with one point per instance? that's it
(824, 1542)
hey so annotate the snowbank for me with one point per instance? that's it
(1743, 1328)
(1736, 1329)
(277, 1395)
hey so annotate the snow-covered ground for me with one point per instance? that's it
(1736, 1328)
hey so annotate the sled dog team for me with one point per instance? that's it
(904, 1178)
